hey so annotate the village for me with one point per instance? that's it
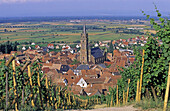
(82, 70)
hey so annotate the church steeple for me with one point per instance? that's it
(84, 29)
(84, 53)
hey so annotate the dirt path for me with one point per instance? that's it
(124, 108)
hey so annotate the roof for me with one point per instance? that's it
(97, 92)
(102, 65)
(46, 69)
(64, 68)
(116, 73)
(83, 67)
(97, 52)
(50, 45)
(95, 80)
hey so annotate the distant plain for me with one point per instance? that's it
(67, 31)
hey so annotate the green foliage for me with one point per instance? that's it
(156, 63)
(52, 96)
(149, 103)
(111, 47)
(7, 47)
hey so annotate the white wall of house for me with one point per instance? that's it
(96, 45)
(24, 48)
(82, 83)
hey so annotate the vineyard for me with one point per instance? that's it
(21, 87)
(26, 87)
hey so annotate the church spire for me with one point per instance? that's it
(84, 29)
(84, 53)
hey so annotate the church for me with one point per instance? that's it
(87, 55)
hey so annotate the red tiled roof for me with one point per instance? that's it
(46, 69)
(49, 45)
(125, 43)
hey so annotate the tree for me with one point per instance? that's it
(5, 30)
(111, 47)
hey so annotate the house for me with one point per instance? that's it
(96, 45)
(50, 46)
(83, 67)
(126, 43)
(29, 47)
(37, 47)
(66, 48)
(72, 51)
(45, 70)
(82, 83)
(45, 49)
(23, 48)
(113, 42)
(33, 43)
(77, 46)
(142, 44)
(63, 69)
(57, 47)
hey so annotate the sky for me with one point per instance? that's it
(27, 8)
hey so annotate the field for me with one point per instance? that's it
(65, 31)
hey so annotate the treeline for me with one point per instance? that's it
(7, 47)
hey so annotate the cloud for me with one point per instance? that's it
(22, 1)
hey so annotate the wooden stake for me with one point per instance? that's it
(117, 99)
(141, 76)
(23, 95)
(15, 85)
(10, 60)
(137, 92)
(46, 83)
(55, 96)
(167, 90)
(6, 90)
(123, 97)
(111, 103)
(154, 94)
(7, 64)
(39, 87)
(127, 91)
(29, 75)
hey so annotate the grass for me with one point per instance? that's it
(99, 106)
(151, 105)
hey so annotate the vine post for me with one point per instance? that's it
(29, 75)
(39, 87)
(6, 90)
(127, 91)
(123, 97)
(7, 64)
(15, 84)
(167, 90)
(46, 84)
(137, 92)
(22, 70)
(141, 76)
(117, 99)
